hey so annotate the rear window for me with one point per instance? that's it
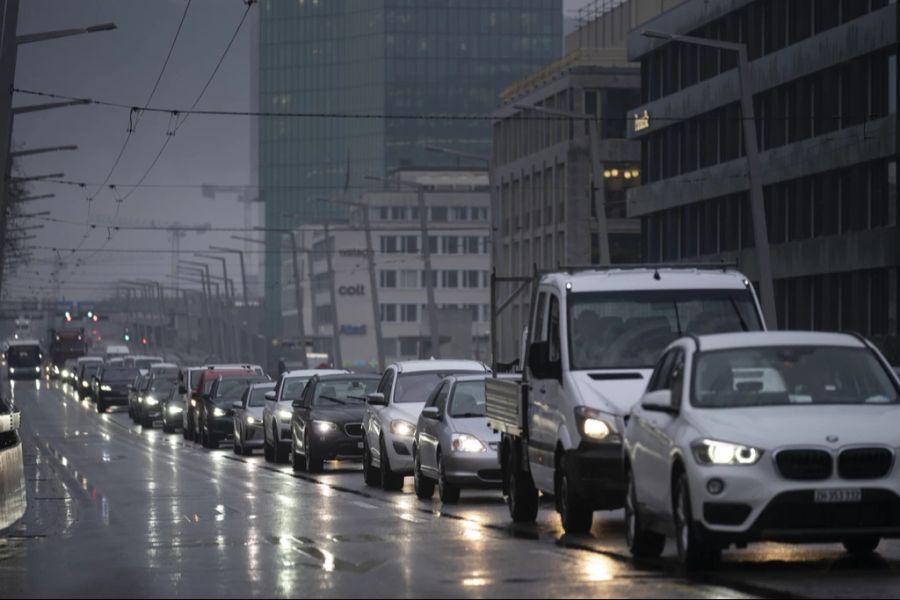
(234, 388)
(211, 377)
(416, 387)
(258, 396)
(119, 374)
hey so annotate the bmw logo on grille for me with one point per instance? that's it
(833, 439)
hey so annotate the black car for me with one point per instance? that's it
(24, 359)
(85, 378)
(136, 394)
(150, 405)
(217, 414)
(327, 420)
(110, 386)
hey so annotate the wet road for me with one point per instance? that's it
(116, 510)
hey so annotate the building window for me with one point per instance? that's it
(388, 279)
(471, 279)
(409, 279)
(409, 313)
(388, 313)
(450, 279)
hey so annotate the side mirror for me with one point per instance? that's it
(237, 405)
(376, 399)
(298, 403)
(431, 412)
(270, 396)
(540, 364)
(658, 401)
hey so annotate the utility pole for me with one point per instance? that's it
(335, 328)
(373, 285)
(298, 298)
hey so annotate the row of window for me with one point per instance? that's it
(857, 198)
(445, 244)
(836, 98)
(439, 214)
(446, 279)
(412, 313)
(766, 26)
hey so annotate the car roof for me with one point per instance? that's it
(227, 371)
(645, 279)
(263, 384)
(314, 372)
(84, 359)
(163, 365)
(462, 378)
(24, 343)
(426, 366)
(725, 341)
(335, 376)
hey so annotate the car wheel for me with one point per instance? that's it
(314, 462)
(693, 554)
(423, 485)
(448, 492)
(101, 408)
(298, 463)
(576, 515)
(523, 496)
(267, 448)
(862, 546)
(281, 451)
(390, 481)
(641, 542)
(370, 474)
(212, 441)
(236, 444)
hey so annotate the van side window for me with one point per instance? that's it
(662, 374)
(537, 333)
(553, 330)
(676, 379)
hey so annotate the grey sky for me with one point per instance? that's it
(122, 66)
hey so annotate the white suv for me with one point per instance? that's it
(784, 436)
(391, 414)
(278, 411)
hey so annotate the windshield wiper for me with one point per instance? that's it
(737, 311)
(338, 400)
(360, 398)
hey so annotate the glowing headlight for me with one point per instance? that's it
(218, 412)
(595, 425)
(712, 452)
(463, 442)
(105, 388)
(174, 409)
(193, 402)
(65, 374)
(151, 401)
(85, 384)
(403, 428)
(12, 370)
(55, 370)
(325, 426)
(285, 415)
(37, 369)
(251, 421)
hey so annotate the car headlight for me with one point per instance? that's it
(37, 369)
(175, 409)
(251, 421)
(285, 415)
(150, 401)
(325, 426)
(85, 384)
(65, 374)
(105, 388)
(712, 452)
(595, 425)
(193, 402)
(55, 370)
(218, 412)
(463, 442)
(12, 370)
(402, 428)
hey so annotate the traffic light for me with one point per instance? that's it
(68, 316)
(90, 314)
(144, 341)
(127, 336)
(94, 318)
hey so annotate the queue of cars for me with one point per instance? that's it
(657, 390)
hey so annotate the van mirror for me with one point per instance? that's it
(658, 401)
(540, 364)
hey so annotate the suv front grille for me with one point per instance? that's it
(865, 463)
(804, 465)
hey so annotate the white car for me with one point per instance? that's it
(277, 412)
(389, 423)
(782, 436)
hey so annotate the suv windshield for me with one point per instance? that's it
(117, 374)
(350, 390)
(785, 375)
(468, 399)
(415, 387)
(630, 330)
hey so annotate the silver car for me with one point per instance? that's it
(248, 418)
(454, 447)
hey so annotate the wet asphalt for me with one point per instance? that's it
(117, 510)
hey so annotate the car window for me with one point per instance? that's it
(417, 387)
(661, 373)
(441, 399)
(553, 329)
(433, 398)
(258, 396)
(350, 390)
(234, 388)
(292, 388)
(468, 400)
(386, 385)
(538, 332)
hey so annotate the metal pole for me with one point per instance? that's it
(757, 201)
(8, 51)
(335, 329)
(599, 194)
(298, 296)
(373, 285)
(429, 281)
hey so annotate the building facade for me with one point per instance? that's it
(825, 95)
(379, 57)
(458, 232)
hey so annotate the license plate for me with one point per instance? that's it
(158, 423)
(838, 496)
(359, 445)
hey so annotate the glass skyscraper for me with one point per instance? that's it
(372, 58)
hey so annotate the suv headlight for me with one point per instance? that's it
(595, 425)
(325, 426)
(463, 442)
(712, 452)
(105, 388)
(403, 428)
(218, 412)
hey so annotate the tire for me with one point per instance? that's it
(297, 463)
(267, 450)
(641, 542)
(448, 492)
(281, 452)
(693, 554)
(212, 441)
(390, 481)
(522, 499)
(862, 546)
(314, 462)
(423, 485)
(371, 475)
(167, 428)
(101, 408)
(576, 515)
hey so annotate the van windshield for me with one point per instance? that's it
(24, 356)
(630, 330)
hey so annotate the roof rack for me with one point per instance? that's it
(708, 266)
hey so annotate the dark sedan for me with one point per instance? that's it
(217, 414)
(110, 386)
(327, 420)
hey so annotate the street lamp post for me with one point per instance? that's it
(754, 170)
(426, 260)
(246, 310)
(233, 338)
